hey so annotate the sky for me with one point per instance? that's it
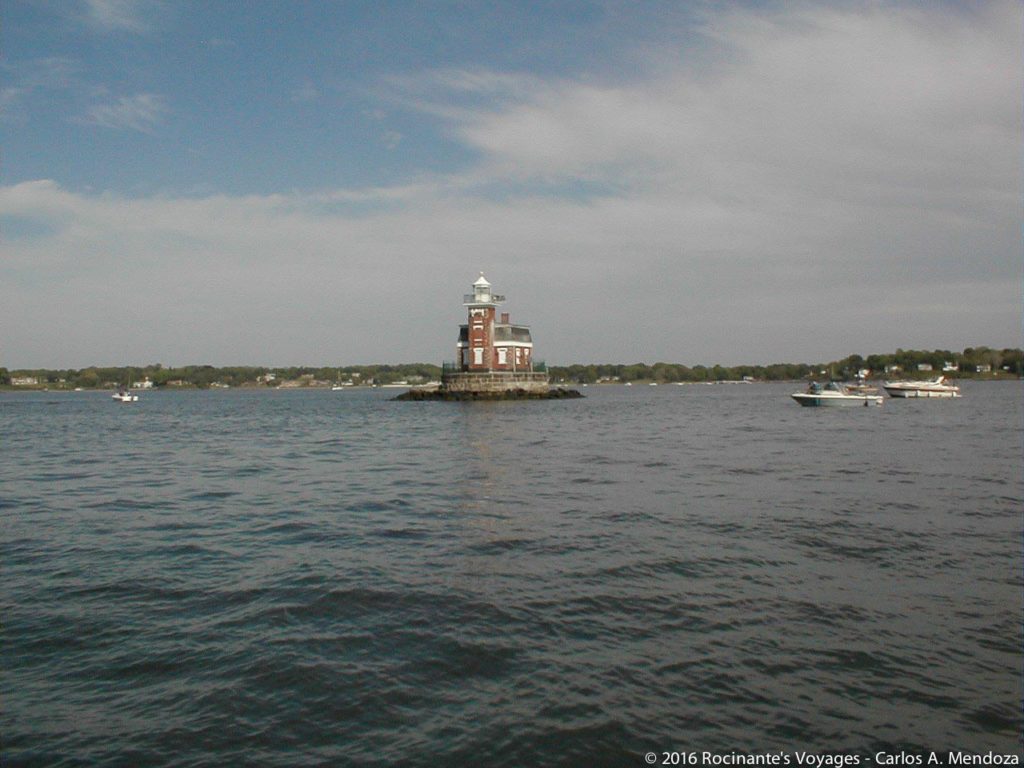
(319, 183)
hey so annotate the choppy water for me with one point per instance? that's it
(307, 578)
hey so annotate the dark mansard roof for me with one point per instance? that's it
(502, 333)
(512, 333)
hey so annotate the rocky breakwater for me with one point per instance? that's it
(556, 393)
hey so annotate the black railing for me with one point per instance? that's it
(539, 366)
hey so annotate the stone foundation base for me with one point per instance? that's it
(494, 382)
(507, 394)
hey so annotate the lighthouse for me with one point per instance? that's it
(493, 357)
(493, 354)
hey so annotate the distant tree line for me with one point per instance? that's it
(998, 362)
(204, 376)
(972, 362)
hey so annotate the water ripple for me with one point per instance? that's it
(291, 579)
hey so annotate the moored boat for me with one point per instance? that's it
(125, 396)
(833, 394)
(937, 387)
(862, 389)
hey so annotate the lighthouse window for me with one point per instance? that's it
(478, 356)
(502, 355)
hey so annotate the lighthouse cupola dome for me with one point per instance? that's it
(482, 289)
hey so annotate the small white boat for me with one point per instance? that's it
(833, 394)
(933, 388)
(125, 396)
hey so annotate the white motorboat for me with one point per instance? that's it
(833, 394)
(861, 389)
(937, 387)
(125, 396)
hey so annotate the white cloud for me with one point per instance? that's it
(305, 93)
(141, 112)
(29, 77)
(50, 72)
(9, 98)
(119, 15)
(832, 182)
(801, 99)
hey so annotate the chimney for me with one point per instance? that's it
(504, 318)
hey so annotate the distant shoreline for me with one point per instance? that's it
(981, 363)
(12, 389)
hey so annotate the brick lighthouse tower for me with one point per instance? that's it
(494, 354)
